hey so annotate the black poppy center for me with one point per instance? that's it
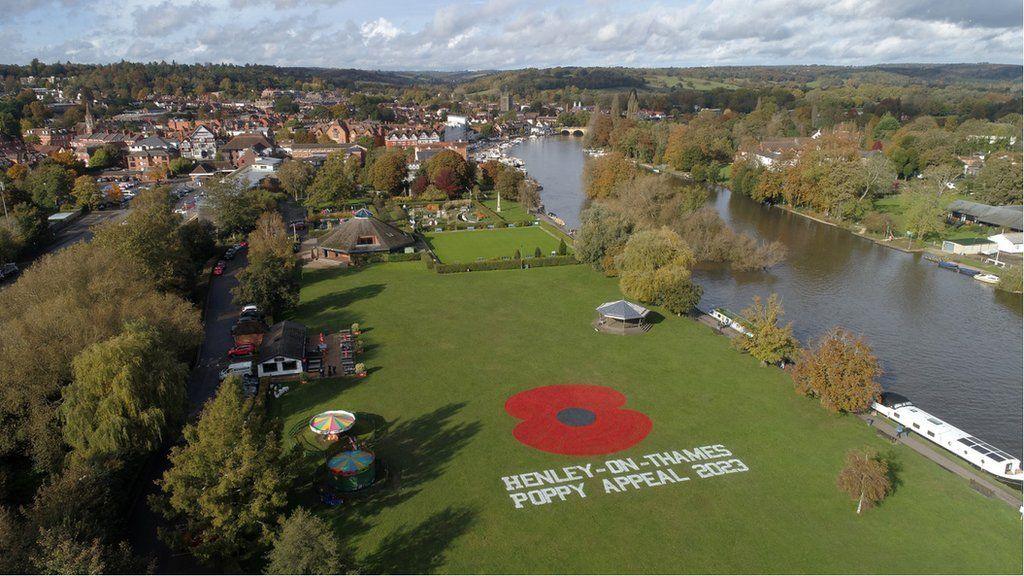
(576, 417)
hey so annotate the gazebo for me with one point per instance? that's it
(621, 317)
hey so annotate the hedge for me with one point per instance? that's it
(510, 264)
(391, 257)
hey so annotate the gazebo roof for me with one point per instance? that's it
(622, 310)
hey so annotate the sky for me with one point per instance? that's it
(505, 34)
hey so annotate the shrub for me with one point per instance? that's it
(537, 253)
(877, 222)
(562, 248)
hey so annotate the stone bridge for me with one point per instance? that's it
(572, 130)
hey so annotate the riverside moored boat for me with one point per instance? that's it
(981, 454)
(948, 265)
(968, 271)
(987, 278)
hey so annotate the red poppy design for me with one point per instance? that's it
(576, 419)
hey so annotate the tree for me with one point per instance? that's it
(125, 395)
(269, 280)
(841, 371)
(865, 478)
(1000, 180)
(305, 545)
(180, 165)
(450, 172)
(49, 184)
(601, 228)
(149, 238)
(652, 262)
(528, 195)
(770, 343)
(234, 207)
(79, 296)
(333, 184)
(885, 127)
(506, 184)
(388, 171)
(86, 192)
(875, 176)
(562, 248)
(295, 176)
(923, 212)
(227, 483)
(601, 175)
(681, 295)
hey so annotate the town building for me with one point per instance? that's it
(201, 144)
(360, 236)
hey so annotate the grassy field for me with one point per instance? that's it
(692, 82)
(510, 211)
(467, 246)
(445, 352)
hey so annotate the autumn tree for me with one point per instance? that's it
(227, 482)
(841, 371)
(125, 395)
(449, 172)
(269, 280)
(86, 192)
(653, 263)
(388, 171)
(79, 296)
(770, 343)
(602, 174)
(306, 544)
(865, 477)
(601, 228)
(295, 176)
(149, 237)
(1000, 180)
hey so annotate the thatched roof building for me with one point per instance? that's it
(362, 234)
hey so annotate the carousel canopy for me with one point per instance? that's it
(350, 462)
(622, 310)
(333, 422)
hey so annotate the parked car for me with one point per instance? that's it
(229, 254)
(218, 269)
(243, 244)
(249, 308)
(241, 350)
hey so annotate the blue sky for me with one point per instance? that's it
(486, 34)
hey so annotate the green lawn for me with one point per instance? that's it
(510, 211)
(445, 352)
(468, 246)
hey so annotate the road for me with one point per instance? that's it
(220, 315)
(218, 318)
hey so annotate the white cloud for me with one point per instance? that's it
(514, 33)
(381, 28)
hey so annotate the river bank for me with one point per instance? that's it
(950, 344)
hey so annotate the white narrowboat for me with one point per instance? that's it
(731, 319)
(981, 454)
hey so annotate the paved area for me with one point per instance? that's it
(82, 229)
(994, 488)
(220, 315)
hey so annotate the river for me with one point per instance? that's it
(949, 343)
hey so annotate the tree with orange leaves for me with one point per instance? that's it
(841, 371)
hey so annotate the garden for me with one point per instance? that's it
(515, 438)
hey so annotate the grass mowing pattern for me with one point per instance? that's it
(468, 246)
(445, 353)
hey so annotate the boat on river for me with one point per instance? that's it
(948, 265)
(980, 454)
(968, 271)
(987, 278)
